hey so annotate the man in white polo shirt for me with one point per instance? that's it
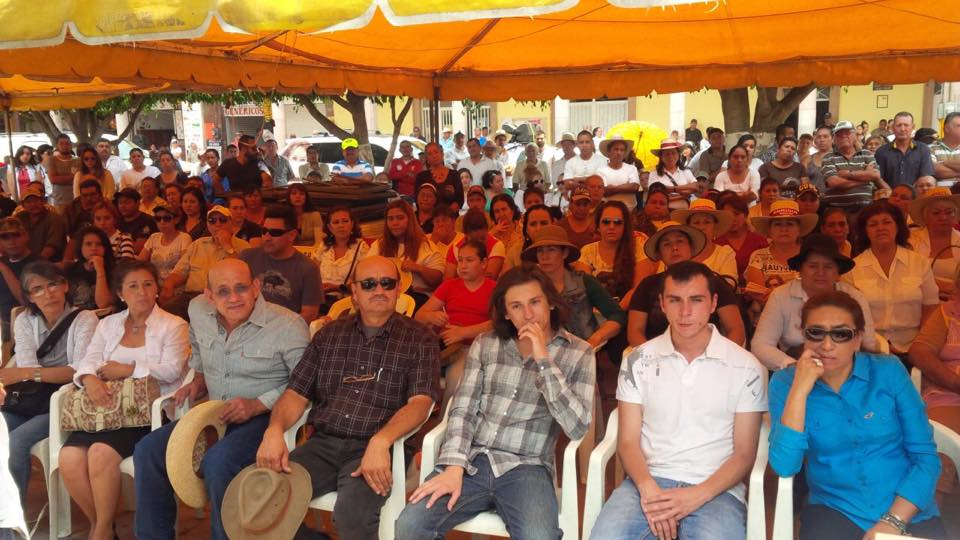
(621, 180)
(691, 403)
(578, 168)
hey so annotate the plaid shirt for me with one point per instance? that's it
(401, 361)
(511, 409)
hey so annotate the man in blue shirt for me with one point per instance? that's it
(904, 161)
(351, 167)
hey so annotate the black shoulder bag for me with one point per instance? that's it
(30, 398)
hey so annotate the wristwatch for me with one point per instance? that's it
(894, 522)
(36, 376)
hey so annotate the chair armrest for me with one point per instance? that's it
(783, 512)
(432, 442)
(156, 409)
(56, 436)
(290, 436)
(596, 473)
(399, 462)
(948, 442)
(756, 509)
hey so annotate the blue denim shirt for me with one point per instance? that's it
(864, 445)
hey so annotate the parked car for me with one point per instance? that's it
(296, 149)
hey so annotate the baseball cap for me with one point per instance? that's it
(32, 190)
(11, 225)
(808, 188)
(349, 143)
(842, 125)
(580, 192)
(219, 209)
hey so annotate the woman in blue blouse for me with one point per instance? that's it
(871, 463)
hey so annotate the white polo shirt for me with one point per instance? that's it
(577, 167)
(689, 407)
(626, 174)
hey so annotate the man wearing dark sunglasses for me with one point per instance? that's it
(373, 377)
(691, 402)
(191, 270)
(287, 276)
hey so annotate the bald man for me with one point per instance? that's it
(244, 349)
(372, 376)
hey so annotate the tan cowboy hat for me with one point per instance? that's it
(667, 144)
(188, 443)
(261, 503)
(550, 235)
(785, 209)
(566, 136)
(651, 248)
(919, 205)
(605, 144)
(705, 206)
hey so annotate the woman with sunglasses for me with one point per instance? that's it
(404, 242)
(614, 259)
(535, 218)
(859, 427)
(309, 222)
(777, 342)
(25, 169)
(165, 248)
(897, 281)
(89, 274)
(194, 208)
(105, 218)
(92, 168)
(343, 247)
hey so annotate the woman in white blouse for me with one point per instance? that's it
(679, 181)
(897, 281)
(140, 341)
(404, 241)
(739, 177)
(44, 287)
(936, 211)
(164, 248)
(342, 249)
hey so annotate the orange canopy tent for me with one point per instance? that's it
(480, 49)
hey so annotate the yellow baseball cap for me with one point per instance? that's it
(349, 143)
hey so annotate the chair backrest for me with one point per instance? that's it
(405, 306)
(948, 442)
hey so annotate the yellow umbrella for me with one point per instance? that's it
(645, 136)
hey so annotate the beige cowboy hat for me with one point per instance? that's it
(551, 235)
(919, 205)
(698, 240)
(188, 443)
(785, 209)
(705, 206)
(605, 144)
(566, 136)
(667, 144)
(261, 503)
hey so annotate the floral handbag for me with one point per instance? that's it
(130, 404)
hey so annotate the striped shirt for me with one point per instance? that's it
(860, 195)
(512, 409)
(942, 153)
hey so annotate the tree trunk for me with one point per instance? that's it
(354, 104)
(768, 112)
(47, 124)
(397, 126)
(735, 104)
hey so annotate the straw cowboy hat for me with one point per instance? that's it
(667, 144)
(919, 205)
(785, 209)
(566, 136)
(187, 445)
(261, 503)
(705, 206)
(698, 240)
(605, 144)
(551, 235)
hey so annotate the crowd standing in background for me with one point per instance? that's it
(826, 264)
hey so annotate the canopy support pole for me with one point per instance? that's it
(6, 121)
(435, 114)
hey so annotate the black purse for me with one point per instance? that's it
(30, 398)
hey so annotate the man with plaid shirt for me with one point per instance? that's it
(372, 377)
(523, 382)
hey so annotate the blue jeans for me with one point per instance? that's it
(25, 431)
(622, 518)
(156, 515)
(524, 497)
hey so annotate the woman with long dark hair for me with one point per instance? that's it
(309, 222)
(194, 208)
(25, 169)
(536, 217)
(404, 242)
(89, 274)
(92, 168)
(614, 258)
(343, 247)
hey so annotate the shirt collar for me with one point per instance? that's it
(716, 349)
(384, 330)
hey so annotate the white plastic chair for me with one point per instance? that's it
(948, 444)
(489, 523)
(391, 509)
(917, 377)
(605, 451)
(59, 499)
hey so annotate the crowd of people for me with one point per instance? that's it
(827, 265)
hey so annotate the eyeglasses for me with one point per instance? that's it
(213, 220)
(239, 290)
(616, 222)
(165, 217)
(837, 335)
(369, 284)
(44, 289)
(275, 232)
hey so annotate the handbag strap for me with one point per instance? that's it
(353, 262)
(56, 334)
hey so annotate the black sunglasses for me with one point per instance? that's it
(837, 335)
(275, 232)
(369, 284)
(213, 220)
